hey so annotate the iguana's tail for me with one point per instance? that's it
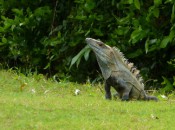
(151, 98)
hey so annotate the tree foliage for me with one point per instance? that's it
(46, 35)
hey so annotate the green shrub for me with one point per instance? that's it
(46, 36)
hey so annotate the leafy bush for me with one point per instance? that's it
(22, 32)
(143, 31)
(46, 36)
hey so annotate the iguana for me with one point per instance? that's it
(118, 72)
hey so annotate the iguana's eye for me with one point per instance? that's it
(100, 43)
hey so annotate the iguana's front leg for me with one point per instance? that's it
(125, 89)
(107, 91)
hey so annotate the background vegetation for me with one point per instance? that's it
(43, 36)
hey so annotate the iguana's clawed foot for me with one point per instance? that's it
(125, 98)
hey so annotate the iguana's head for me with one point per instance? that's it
(104, 54)
(101, 50)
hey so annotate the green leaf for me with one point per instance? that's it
(17, 11)
(47, 66)
(147, 45)
(172, 35)
(130, 1)
(171, 63)
(174, 80)
(165, 42)
(169, 1)
(138, 35)
(167, 39)
(87, 32)
(99, 17)
(1, 29)
(1, 44)
(122, 30)
(42, 11)
(168, 85)
(89, 5)
(156, 12)
(4, 40)
(78, 17)
(135, 54)
(172, 14)
(13, 27)
(86, 54)
(79, 1)
(59, 34)
(112, 2)
(126, 1)
(135, 22)
(135, 35)
(76, 59)
(98, 32)
(157, 2)
(124, 20)
(137, 4)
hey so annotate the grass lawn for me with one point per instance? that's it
(34, 103)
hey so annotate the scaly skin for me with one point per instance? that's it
(118, 73)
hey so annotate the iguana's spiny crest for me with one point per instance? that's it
(130, 65)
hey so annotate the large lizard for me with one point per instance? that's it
(118, 72)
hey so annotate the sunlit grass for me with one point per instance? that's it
(36, 103)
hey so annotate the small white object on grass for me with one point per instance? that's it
(77, 91)
(154, 117)
(164, 97)
(33, 90)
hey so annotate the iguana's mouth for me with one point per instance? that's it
(88, 40)
(96, 47)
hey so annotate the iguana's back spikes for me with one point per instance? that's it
(126, 61)
(120, 53)
(135, 72)
(130, 65)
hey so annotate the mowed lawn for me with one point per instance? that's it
(34, 103)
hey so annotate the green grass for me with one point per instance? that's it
(34, 103)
